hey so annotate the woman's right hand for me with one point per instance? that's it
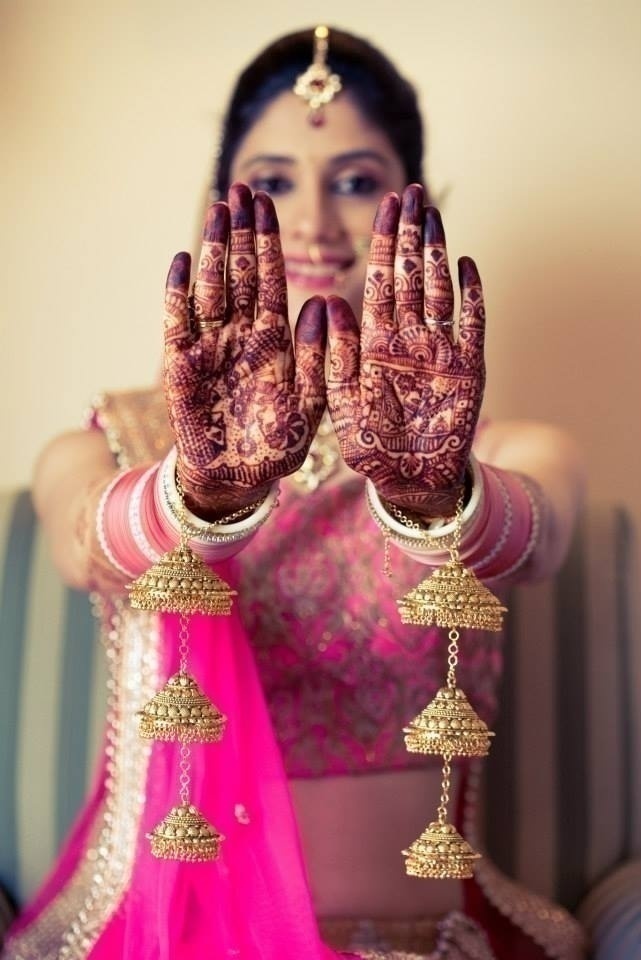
(244, 401)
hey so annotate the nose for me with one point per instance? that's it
(317, 218)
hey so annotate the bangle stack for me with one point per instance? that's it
(415, 535)
(236, 526)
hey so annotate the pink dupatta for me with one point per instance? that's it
(254, 902)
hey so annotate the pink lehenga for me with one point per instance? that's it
(327, 663)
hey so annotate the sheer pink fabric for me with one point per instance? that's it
(68, 858)
(254, 902)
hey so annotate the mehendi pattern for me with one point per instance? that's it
(404, 394)
(243, 403)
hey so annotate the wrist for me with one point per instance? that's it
(209, 534)
(501, 525)
(438, 506)
(416, 530)
(217, 506)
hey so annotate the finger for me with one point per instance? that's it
(439, 291)
(378, 298)
(310, 342)
(270, 271)
(241, 269)
(177, 325)
(209, 289)
(343, 386)
(269, 349)
(408, 260)
(472, 322)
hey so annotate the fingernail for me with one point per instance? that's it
(467, 273)
(386, 219)
(412, 204)
(216, 229)
(241, 208)
(265, 214)
(179, 270)
(433, 232)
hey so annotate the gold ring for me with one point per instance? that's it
(204, 325)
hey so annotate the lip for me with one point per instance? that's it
(316, 275)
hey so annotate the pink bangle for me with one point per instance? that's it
(136, 522)
(501, 525)
(503, 546)
(212, 541)
(105, 523)
(113, 526)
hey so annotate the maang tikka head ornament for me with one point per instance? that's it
(318, 85)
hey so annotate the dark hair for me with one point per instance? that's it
(384, 96)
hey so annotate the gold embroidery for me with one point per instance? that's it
(74, 919)
(136, 425)
(548, 925)
(137, 430)
(454, 937)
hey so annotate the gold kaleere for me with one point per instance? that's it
(180, 582)
(449, 724)
(440, 853)
(181, 711)
(185, 835)
(454, 598)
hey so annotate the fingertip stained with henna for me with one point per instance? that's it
(241, 207)
(387, 214)
(216, 229)
(412, 204)
(312, 322)
(433, 231)
(179, 271)
(265, 213)
(468, 272)
(340, 317)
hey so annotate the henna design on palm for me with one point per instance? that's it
(244, 401)
(403, 394)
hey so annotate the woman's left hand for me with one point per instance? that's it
(404, 394)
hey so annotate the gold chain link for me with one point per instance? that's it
(445, 790)
(228, 518)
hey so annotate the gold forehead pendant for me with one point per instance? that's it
(318, 86)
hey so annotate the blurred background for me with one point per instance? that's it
(109, 118)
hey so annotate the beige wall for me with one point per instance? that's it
(108, 122)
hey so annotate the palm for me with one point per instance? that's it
(243, 407)
(403, 394)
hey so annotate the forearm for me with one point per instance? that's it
(107, 526)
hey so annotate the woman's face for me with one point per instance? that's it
(326, 182)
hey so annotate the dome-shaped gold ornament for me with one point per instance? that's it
(452, 596)
(181, 711)
(440, 853)
(185, 835)
(448, 725)
(180, 582)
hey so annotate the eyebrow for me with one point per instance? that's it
(349, 157)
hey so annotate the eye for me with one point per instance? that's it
(356, 185)
(275, 184)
